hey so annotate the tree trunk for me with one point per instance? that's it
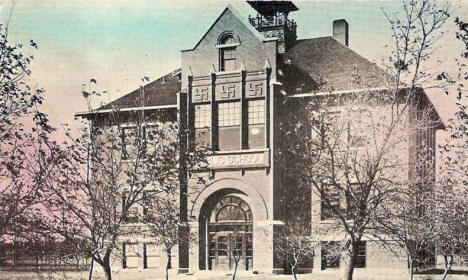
(107, 271)
(448, 266)
(293, 271)
(168, 265)
(348, 275)
(91, 269)
(410, 267)
(169, 257)
(236, 263)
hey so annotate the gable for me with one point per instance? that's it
(229, 16)
(252, 49)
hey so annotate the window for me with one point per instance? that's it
(148, 203)
(356, 136)
(361, 255)
(135, 140)
(227, 40)
(228, 59)
(228, 54)
(202, 116)
(229, 125)
(151, 255)
(202, 124)
(332, 194)
(256, 124)
(128, 135)
(130, 255)
(349, 128)
(130, 214)
(229, 114)
(330, 254)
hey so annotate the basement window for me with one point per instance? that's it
(330, 252)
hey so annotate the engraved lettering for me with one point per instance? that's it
(237, 160)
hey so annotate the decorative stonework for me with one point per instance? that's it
(255, 89)
(201, 94)
(227, 91)
(239, 159)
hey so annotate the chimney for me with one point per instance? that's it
(340, 31)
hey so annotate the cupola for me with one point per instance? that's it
(272, 21)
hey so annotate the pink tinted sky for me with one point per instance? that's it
(118, 42)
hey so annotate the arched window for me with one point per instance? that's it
(227, 53)
(228, 39)
(231, 208)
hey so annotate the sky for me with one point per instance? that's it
(119, 42)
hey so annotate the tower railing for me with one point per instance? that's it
(261, 21)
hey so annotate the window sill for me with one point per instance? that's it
(246, 151)
(223, 46)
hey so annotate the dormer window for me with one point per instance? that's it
(227, 53)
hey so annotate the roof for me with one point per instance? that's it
(332, 66)
(160, 92)
(318, 64)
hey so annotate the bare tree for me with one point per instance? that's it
(23, 130)
(162, 221)
(352, 156)
(352, 149)
(295, 243)
(102, 174)
(451, 202)
(235, 250)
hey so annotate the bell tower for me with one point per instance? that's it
(272, 21)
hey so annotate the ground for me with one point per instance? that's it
(159, 275)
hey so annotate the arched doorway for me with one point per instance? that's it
(229, 234)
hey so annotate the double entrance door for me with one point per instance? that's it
(230, 245)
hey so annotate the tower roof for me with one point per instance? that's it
(267, 7)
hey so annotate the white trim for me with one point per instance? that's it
(127, 109)
(247, 24)
(246, 151)
(227, 46)
(321, 93)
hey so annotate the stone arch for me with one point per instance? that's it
(226, 34)
(252, 197)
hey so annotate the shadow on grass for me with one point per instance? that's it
(436, 271)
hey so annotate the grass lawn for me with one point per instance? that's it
(208, 275)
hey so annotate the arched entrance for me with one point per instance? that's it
(228, 233)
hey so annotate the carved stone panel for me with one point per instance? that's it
(255, 89)
(239, 160)
(201, 94)
(228, 91)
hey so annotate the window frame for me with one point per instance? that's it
(325, 257)
(227, 42)
(206, 113)
(339, 199)
(260, 116)
(143, 134)
(362, 256)
(224, 59)
(236, 114)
